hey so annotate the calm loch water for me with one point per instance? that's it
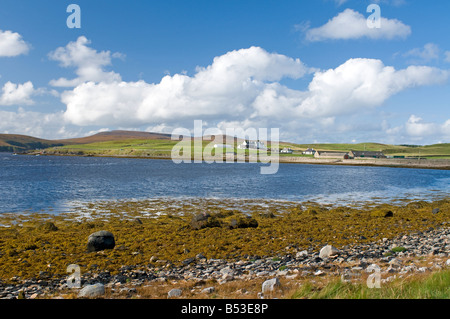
(47, 183)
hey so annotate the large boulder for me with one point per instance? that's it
(100, 240)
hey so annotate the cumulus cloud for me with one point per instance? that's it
(244, 88)
(17, 94)
(32, 123)
(227, 87)
(89, 63)
(244, 85)
(12, 44)
(350, 24)
(356, 85)
(417, 127)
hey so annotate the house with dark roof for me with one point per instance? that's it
(331, 154)
(366, 154)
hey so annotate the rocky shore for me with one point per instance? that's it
(399, 257)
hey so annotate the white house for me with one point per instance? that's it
(257, 145)
(286, 151)
(309, 151)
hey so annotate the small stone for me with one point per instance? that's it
(187, 261)
(435, 210)
(200, 256)
(270, 285)
(301, 254)
(208, 290)
(319, 273)
(92, 291)
(174, 293)
(395, 262)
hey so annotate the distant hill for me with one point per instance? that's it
(133, 140)
(20, 143)
(117, 136)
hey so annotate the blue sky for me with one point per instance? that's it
(313, 69)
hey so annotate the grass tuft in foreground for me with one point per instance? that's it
(433, 286)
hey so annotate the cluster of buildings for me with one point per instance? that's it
(349, 155)
(258, 145)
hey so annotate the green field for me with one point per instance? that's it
(137, 147)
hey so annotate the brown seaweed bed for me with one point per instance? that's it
(162, 228)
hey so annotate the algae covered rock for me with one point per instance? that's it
(204, 220)
(48, 226)
(243, 222)
(382, 213)
(229, 220)
(100, 240)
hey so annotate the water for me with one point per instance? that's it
(54, 184)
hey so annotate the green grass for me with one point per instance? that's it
(139, 147)
(434, 286)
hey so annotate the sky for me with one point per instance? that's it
(324, 71)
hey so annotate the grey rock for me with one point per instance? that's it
(435, 210)
(208, 290)
(328, 251)
(301, 254)
(100, 240)
(270, 285)
(174, 293)
(92, 291)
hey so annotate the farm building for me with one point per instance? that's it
(286, 151)
(309, 151)
(256, 145)
(331, 154)
(366, 154)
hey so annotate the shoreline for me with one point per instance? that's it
(158, 251)
(438, 164)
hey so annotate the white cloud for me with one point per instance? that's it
(88, 62)
(415, 126)
(429, 52)
(418, 129)
(356, 85)
(227, 87)
(350, 24)
(12, 44)
(31, 123)
(17, 94)
(243, 88)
